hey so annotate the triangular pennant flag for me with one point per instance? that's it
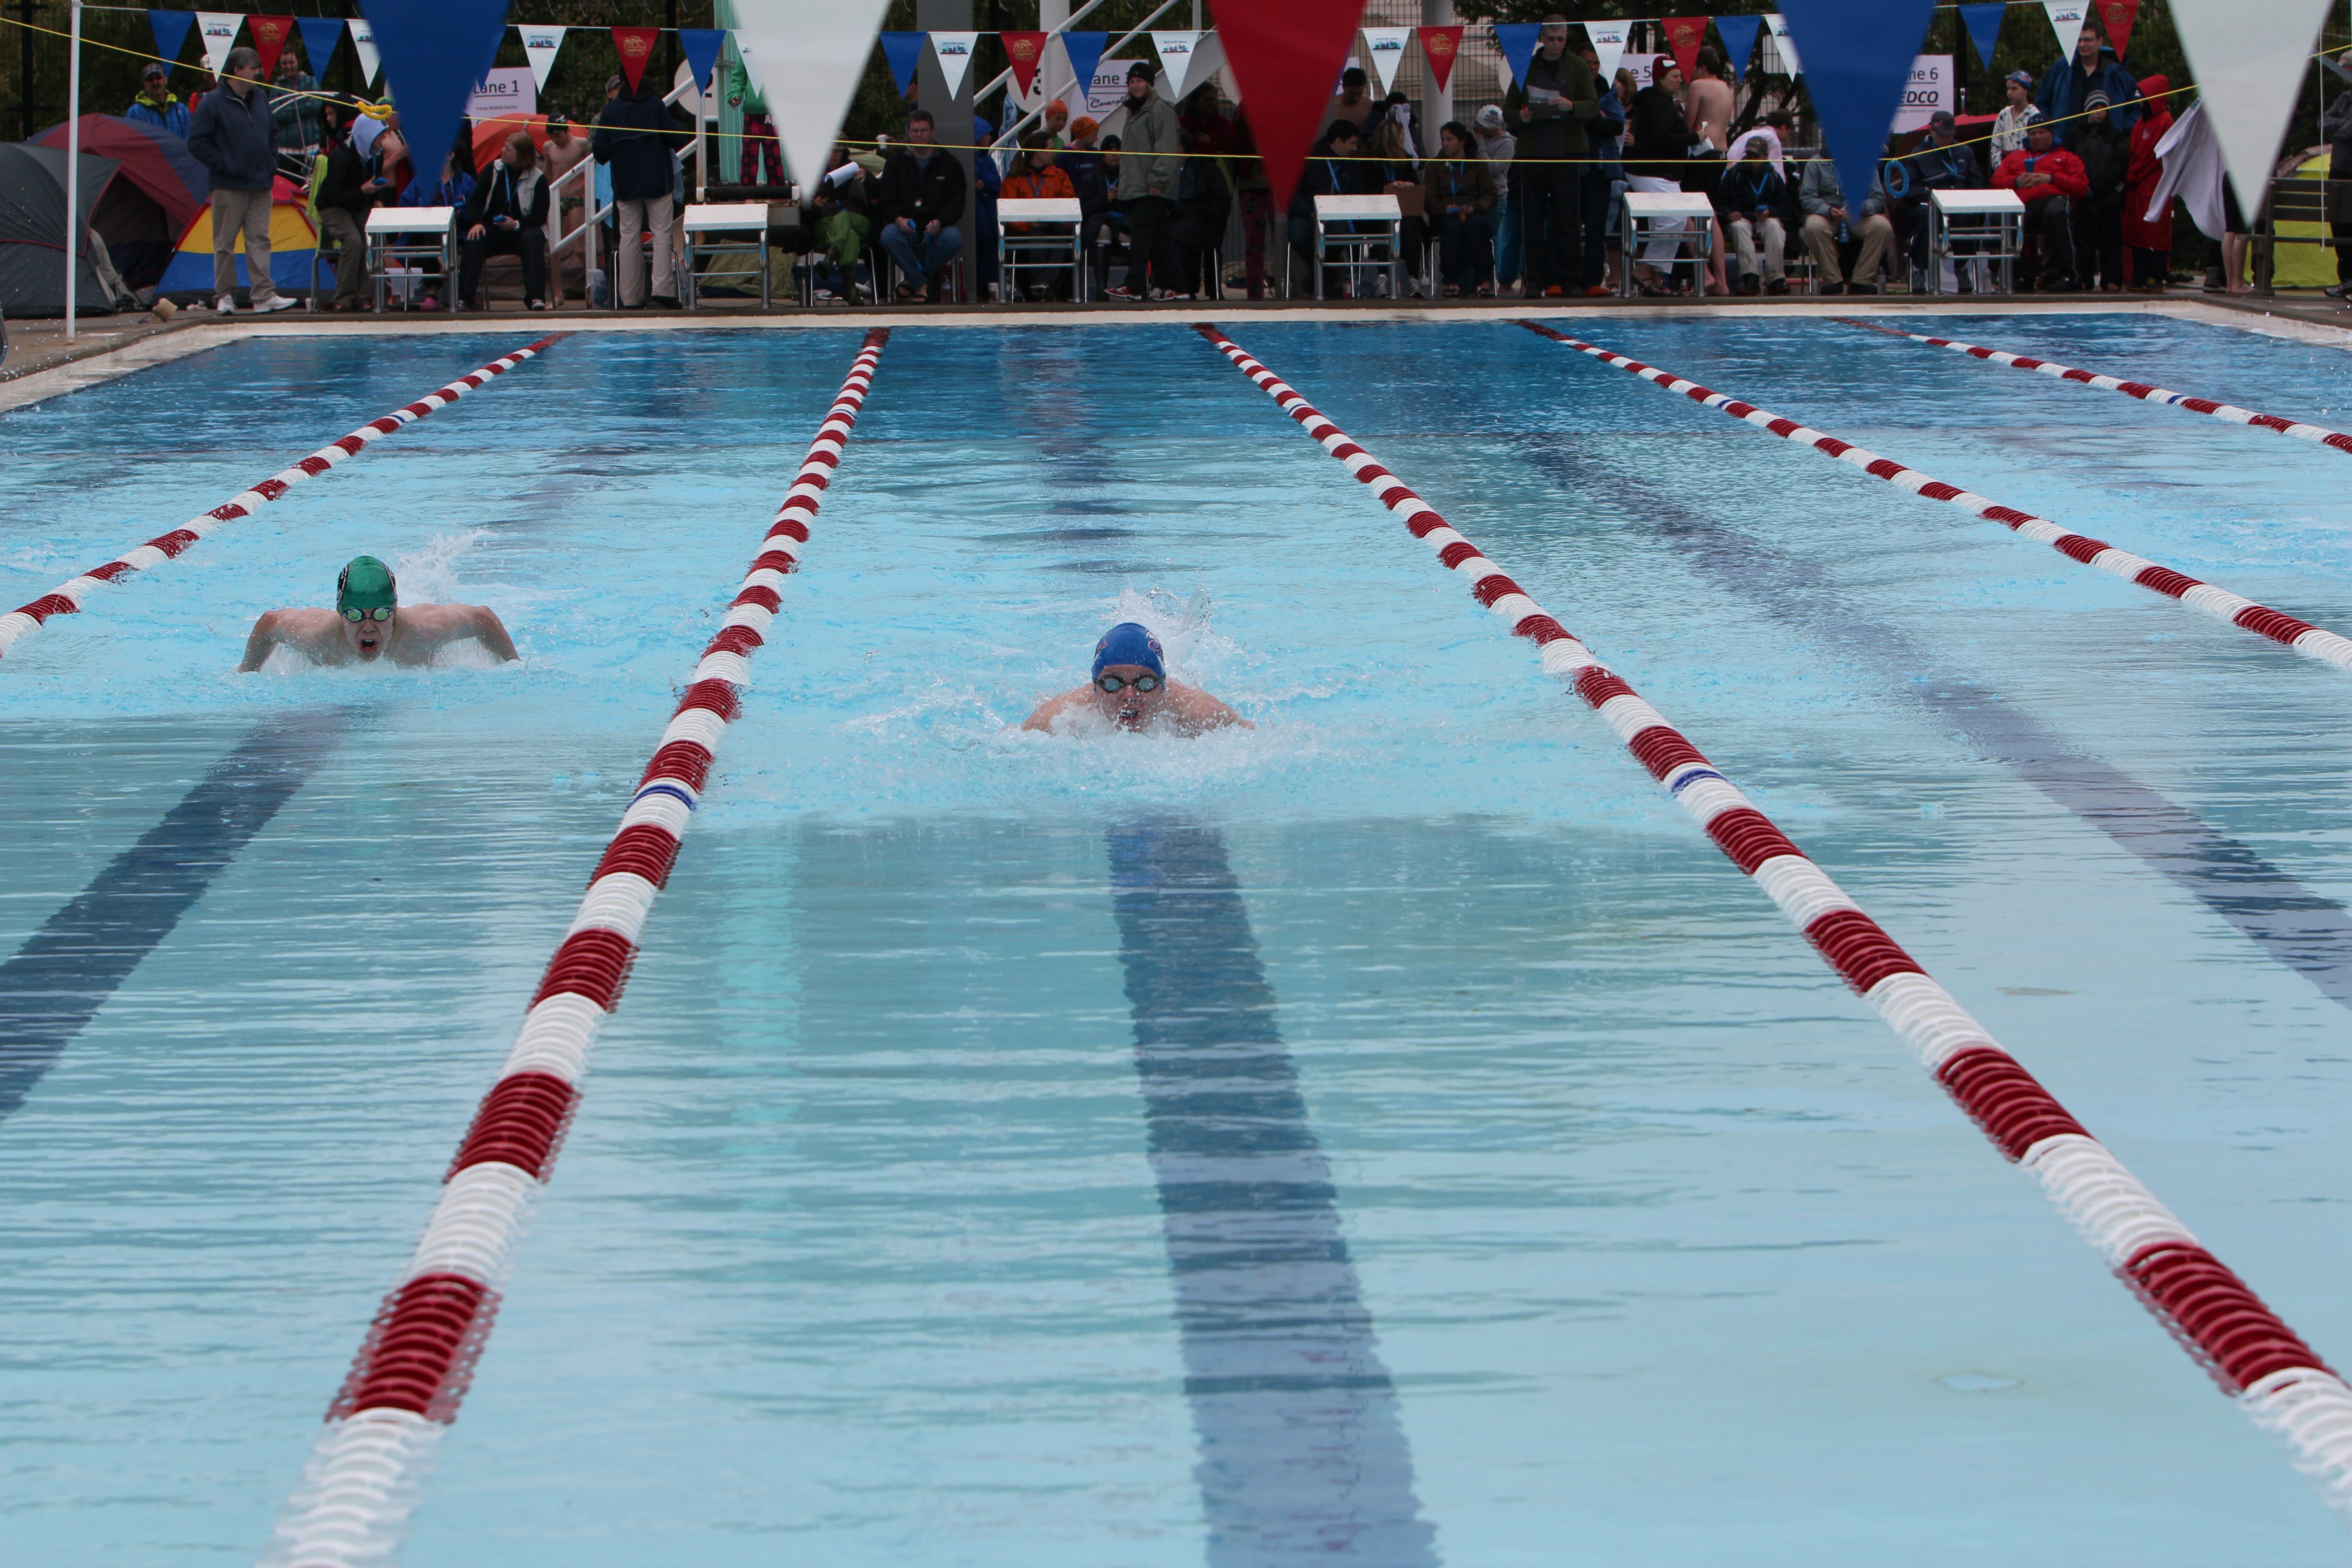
(1608, 43)
(1439, 45)
(1386, 45)
(2066, 21)
(701, 46)
(1083, 51)
(953, 51)
(364, 48)
(435, 53)
(1859, 55)
(539, 46)
(1177, 51)
(320, 36)
(1517, 42)
(2119, 15)
(217, 29)
(269, 36)
(1739, 40)
(171, 33)
(902, 52)
(2249, 58)
(1025, 51)
(636, 47)
(1776, 28)
(1286, 57)
(1684, 36)
(808, 60)
(1983, 23)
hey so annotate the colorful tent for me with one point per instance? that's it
(32, 231)
(146, 207)
(293, 244)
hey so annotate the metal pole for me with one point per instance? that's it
(75, 238)
(24, 70)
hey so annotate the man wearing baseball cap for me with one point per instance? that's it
(157, 104)
(1499, 146)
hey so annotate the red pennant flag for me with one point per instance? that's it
(1438, 46)
(1285, 58)
(269, 35)
(2118, 16)
(1024, 50)
(636, 47)
(1684, 36)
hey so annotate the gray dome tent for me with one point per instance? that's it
(32, 231)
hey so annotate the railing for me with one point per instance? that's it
(1013, 131)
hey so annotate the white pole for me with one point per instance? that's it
(74, 240)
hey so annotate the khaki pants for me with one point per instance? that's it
(350, 266)
(1876, 233)
(1773, 257)
(633, 218)
(249, 211)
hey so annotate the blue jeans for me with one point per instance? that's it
(920, 256)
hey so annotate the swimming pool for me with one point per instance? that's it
(1655, 1248)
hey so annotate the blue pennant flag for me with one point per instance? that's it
(1739, 40)
(1857, 56)
(320, 36)
(1518, 44)
(171, 33)
(435, 53)
(1983, 23)
(1085, 52)
(701, 46)
(904, 51)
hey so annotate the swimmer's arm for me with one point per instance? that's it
(1050, 709)
(490, 631)
(1203, 711)
(268, 633)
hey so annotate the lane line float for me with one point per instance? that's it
(2274, 1377)
(367, 1470)
(2141, 390)
(2314, 642)
(66, 597)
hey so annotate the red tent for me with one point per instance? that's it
(152, 199)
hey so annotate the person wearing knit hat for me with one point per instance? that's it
(369, 623)
(2009, 125)
(1057, 121)
(2105, 150)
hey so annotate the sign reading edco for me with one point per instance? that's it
(1930, 90)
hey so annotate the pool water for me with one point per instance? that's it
(894, 1228)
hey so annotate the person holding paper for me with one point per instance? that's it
(1559, 101)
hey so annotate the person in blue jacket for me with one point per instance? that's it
(2065, 85)
(157, 104)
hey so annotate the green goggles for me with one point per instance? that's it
(381, 614)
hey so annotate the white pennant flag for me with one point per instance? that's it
(2249, 58)
(2066, 21)
(808, 60)
(1776, 28)
(540, 44)
(218, 30)
(1386, 45)
(363, 46)
(1176, 55)
(1609, 44)
(953, 51)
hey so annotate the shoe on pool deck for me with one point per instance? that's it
(226, 304)
(275, 302)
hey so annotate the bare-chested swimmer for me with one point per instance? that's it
(368, 624)
(1133, 691)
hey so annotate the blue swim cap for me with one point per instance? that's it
(1128, 642)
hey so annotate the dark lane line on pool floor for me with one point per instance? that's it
(2307, 931)
(1303, 1450)
(57, 981)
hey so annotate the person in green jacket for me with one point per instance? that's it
(1550, 163)
(1149, 171)
(760, 139)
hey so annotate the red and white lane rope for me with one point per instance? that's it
(2141, 390)
(67, 598)
(2311, 641)
(2257, 1359)
(368, 1468)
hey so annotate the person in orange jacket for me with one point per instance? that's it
(2049, 179)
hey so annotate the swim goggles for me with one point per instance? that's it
(379, 614)
(1115, 683)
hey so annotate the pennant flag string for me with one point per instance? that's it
(539, 46)
(1860, 54)
(1284, 56)
(320, 36)
(1177, 52)
(1439, 46)
(903, 52)
(171, 32)
(269, 36)
(1739, 40)
(636, 48)
(364, 49)
(1685, 34)
(1517, 42)
(217, 29)
(1983, 24)
(701, 46)
(1386, 45)
(953, 51)
(808, 61)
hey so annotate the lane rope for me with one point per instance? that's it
(367, 1470)
(2141, 390)
(2312, 642)
(2273, 1376)
(66, 597)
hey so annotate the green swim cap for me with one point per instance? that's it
(366, 585)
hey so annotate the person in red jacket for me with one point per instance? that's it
(2049, 179)
(2147, 242)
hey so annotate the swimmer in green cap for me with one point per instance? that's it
(369, 623)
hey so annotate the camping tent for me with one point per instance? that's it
(33, 231)
(293, 244)
(147, 205)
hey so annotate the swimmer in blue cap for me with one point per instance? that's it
(1131, 690)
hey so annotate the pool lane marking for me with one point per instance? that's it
(1303, 1450)
(64, 974)
(2273, 1376)
(2141, 390)
(2292, 924)
(2314, 642)
(66, 597)
(368, 1467)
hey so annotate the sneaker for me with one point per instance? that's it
(1554, 291)
(1597, 291)
(1834, 287)
(226, 304)
(1862, 287)
(1167, 296)
(1777, 286)
(275, 302)
(2338, 291)
(1121, 293)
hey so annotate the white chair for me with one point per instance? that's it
(1647, 214)
(1990, 224)
(1056, 222)
(1368, 222)
(411, 233)
(720, 219)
